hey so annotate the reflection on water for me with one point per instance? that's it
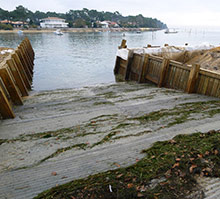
(81, 59)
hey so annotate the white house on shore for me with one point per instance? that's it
(104, 24)
(107, 24)
(53, 22)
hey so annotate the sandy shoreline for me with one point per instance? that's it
(81, 30)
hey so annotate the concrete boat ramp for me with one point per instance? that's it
(61, 135)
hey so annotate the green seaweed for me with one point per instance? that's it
(2, 141)
(181, 113)
(103, 103)
(168, 170)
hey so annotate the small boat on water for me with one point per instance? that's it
(20, 32)
(58, 32)
(168, 31)
(138, 32)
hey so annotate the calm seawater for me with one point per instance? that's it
(81, 59)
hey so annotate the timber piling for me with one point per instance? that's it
(16, 75)
(166, 73)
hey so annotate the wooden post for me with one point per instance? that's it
(117, 65)
(21, 70)
(28, 51)
(129, 62)
(123, 44)
(17, 75)
(144, 62)
(30, 46)
(193, 76)
(25, 45)
(27, 55)
(26, 58)
(24, 63)
(10, 85)
(163, 72)
(5, 108)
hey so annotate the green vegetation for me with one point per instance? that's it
(5, 27)
(81, 18)
(103, 103)
(167, 171)
(56, 153)
(2, 141)
(120, 128)
(181, 113)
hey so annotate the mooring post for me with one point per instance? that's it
(193, 76)
(128, 66)
(144, 64)
(123, 44)
(163, 72)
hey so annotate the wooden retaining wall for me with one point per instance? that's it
(16, 74)
(167, 73)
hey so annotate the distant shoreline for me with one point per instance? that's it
(82, 30)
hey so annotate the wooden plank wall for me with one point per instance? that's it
(168, 73)
(16, 74)
(177, 76)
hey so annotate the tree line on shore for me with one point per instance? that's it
(79, 18)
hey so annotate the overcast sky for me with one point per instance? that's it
(171, 12)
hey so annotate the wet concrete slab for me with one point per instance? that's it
(78, 132)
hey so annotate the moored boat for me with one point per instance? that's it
(58, 32)
(168, 31)
(20, 32)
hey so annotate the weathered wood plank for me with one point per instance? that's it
(200, 84)
(156, 58)
(26, 54)
(152, 79)
(209, 73)
(28, 50)
(5, 108)
(10, 85)
(209, 87)
(129, 62)
(193, 76)
(17, 76)
(163, 72)
(117, 65)
(143, 70)
(30, 46)
(21, 70)
(28, 62)
(215, 87)
(205, 86)
(171, 75)
(25, 64)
